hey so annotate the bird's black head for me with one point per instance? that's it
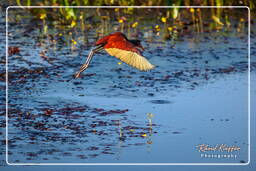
(137, 43)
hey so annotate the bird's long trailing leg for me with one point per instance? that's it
(87, 62)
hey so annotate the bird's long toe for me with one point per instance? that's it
(77, 75)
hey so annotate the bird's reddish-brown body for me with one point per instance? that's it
(119, 41)
(119, 46)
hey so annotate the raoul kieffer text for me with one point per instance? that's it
(217, 148)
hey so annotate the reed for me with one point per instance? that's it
(166, 23)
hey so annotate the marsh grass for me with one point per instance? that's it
(167, 24)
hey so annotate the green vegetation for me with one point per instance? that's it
(170, 23)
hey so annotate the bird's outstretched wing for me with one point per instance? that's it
(131, 58)
(128, 53)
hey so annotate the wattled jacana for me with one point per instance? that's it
(117, 45)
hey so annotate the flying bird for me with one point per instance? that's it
(117, 45)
